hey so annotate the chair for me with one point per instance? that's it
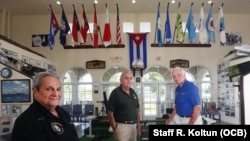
(67, 108)
(168, 113)
(212, 110)
(88, 109)
(77, 113)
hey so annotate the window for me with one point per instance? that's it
(145, 27)
(128, 27)
(77, 87)
(67, 90)
(111, 79)
(85, 89)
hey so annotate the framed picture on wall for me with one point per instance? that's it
(15, 91)
(38, 63)
(6, 109)
(25, 59)
(16, 109)
(4, 121)
(45, 66)
(32, 62)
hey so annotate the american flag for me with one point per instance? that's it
(118, 28)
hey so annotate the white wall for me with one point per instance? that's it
(22, 28)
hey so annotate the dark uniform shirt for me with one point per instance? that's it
(38, 124)
(123, 105)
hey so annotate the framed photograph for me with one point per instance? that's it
(12, 58)
(6, 109)
(45, 66)
(32, 62)
(16, 109)
(51, 68)
(15, 91)
(38, 63)
(25, 59)
(4, 120)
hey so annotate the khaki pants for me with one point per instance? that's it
(125, 132)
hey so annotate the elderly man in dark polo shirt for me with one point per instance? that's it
(123, 110)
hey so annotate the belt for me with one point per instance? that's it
(127, 122)
(184, 116)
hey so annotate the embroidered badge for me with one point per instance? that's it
(134, 95)
(57, 127)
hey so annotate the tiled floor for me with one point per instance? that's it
(80, 127)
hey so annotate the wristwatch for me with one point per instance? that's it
(6, 72)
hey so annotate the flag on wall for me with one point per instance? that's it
(107, 32)
(64, 28)
(54, 27)
(75, 28)
(158, 27)
(220, 26)
(168, 28)
(190, 26)
(118, 27)
(201, 26)
(138, 50)
(178, 27)
(210, 26)
(84, 27)
(96, 30)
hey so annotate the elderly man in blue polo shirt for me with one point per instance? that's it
(187, 101)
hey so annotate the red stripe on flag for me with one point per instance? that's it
(96, 29)
(118, 28)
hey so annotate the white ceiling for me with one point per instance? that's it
(15, 7)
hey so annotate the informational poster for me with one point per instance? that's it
(40, 40)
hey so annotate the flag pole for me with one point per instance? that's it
(186, 25)
(156, 22)
(88, 24)
(175, 24)
(165, 26)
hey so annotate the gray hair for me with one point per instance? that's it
(39, 76)
(179, 68)
(123, 73)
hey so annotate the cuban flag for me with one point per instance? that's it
(54, 28)
(138, 50)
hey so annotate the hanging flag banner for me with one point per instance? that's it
(118, 28)
(64, 28)
(54, 28)
(138, 50)
(107, 30)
